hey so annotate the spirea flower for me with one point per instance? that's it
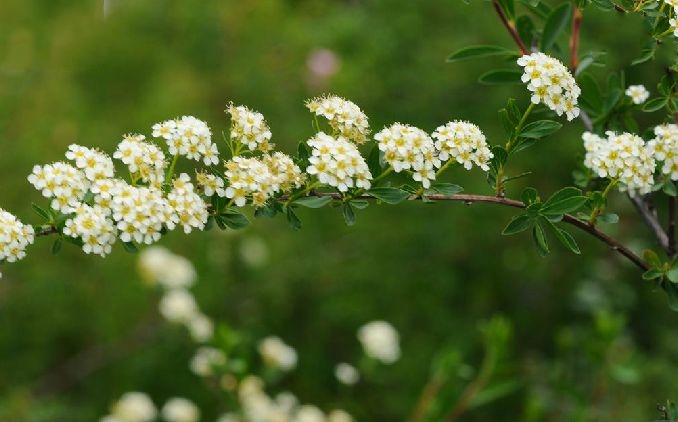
(337, 162)
(309, 413)
(637, 93)
(284, 172)
(277, 354)
(463, 142)
(179, 409)
(406, 147)
(205, 359)
(200, 327)
(178, 305)
(139, 212)
(250, 128)
(134, 407)
(190, 137)
(339, 415)
(346, 373)
(93, 226)
(344, 117)
(380, 341)
(551, 83)
(664, 148)
(190, 211)
(143, 159)
(158, 265)
(624, 157)
(63, 183)
(210, 184)
(673, 23)
(253, 178)
(14, 237)
(95, 164)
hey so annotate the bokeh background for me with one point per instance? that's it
(591, 340)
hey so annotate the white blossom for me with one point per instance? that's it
(345, 117)
(406, 147)
(250, 128)
(277, 354)
(134, 407)
(14, 237)
(179, 409)
(638, 93)
(463, 142)
(380, 341)
(337, 162)
(346, 373)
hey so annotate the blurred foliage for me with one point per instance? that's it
(590, 340)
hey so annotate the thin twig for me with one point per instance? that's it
(574, 38)
(510, 27)
(651, 221)
(671, 229)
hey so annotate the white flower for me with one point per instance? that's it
(190, 137)
(260, 179)
(178, 305)
(210, 184)
(158, 264)
(63, 183)
(346, 373)
(309, 413)
(624, 157)
(189, 210)
(178, 409)
(249, 128)
(134, 407)
(380, 341)
(406, 147)
(93, 226)
(143, 159)
(339, 416)
(95, 164)
(664, 148)
(551, 83)
(463, 142)
(229, 417)
(337, 162)
(277, 354)
(14, 237)
(638, 93)
(201, 328)
(345, 117)
(205, 359)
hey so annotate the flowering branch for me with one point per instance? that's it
(510, 27)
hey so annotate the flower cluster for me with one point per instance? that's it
(210, 184)
(409, 148)
(139, 212)
(138, 407)
(638, 93)
(277, 354)
(64, 184)
(189, 210)
(175, 274)
(260, 178)
(205, 360)
(189, 137)
(14, 237)
(665, 149)
(551, 83)
(250, 129)
(380, 341)
(337, 162)
(95, 164)
(144, 160)
(624, 157)
(464, 142)
(92, 225)
(344, 117)
(346, 373)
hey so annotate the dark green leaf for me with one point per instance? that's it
(267, 211)
(669, 188)
(529, 196)
(540, 240)
(509, 8)
(655, 104)
(374, 161)
(292, 219)
(652, 258)
(567, 240)
(389, 195)
(671, 290)
(234, 219)
(349, 214)
(526, 29)
(56, 246)
(563, 201)
(509, 125)
(518, 224)
(652, 274)
(359, 204)
(494, 392)
(446, 188)
(42, 213)
(313, 201)
(540, 129)
(604, 5)
(209, 225)
(608, 218)
(554, 26)
(130, 247)
(591, 97)
(500, 77)
(538, 7)
(672, 275)
(645, 55)
(475, 51)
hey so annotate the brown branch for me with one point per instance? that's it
(672, 226)
(574, 38)
(651, 221)
(510, 27)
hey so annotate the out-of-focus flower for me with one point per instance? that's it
(205, 359)
(178, 305)
(179, 409)
(339, 416)
(380, 341)
(134, 407)
(277, 354)
(346, 373)
(158, 264)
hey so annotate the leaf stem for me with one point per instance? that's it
(597, 210)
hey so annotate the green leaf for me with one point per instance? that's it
(360, 204)
(494, 392)
(554, 26)
(645, 55)
(476, 51)
(303, 153)
(500, 77)
(672, 275)
(540, 129)
(349, 214)
(671, 410)
(389, 195)
(669, 188)
(652, 274)
(292, 219)
(567, 240)
(374, 161)
(655, 104)
(518, 224)
(313, 201)
(671, 290)
(529, 196)
(526, 29)
(41, 212)
(591, 98)
(540, 240)
(509, 8)
(565, 200)
(130, 247)
(604, 5)
(56, 246)
(608, 218)
(266, 211)
(234, 219)
(446, 188)
(652, 258)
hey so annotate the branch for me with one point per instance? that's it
(672, 226)
(574, 38)
(510, 27)
(650, 219)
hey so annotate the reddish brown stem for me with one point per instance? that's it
(574, 38)
(510, 27)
